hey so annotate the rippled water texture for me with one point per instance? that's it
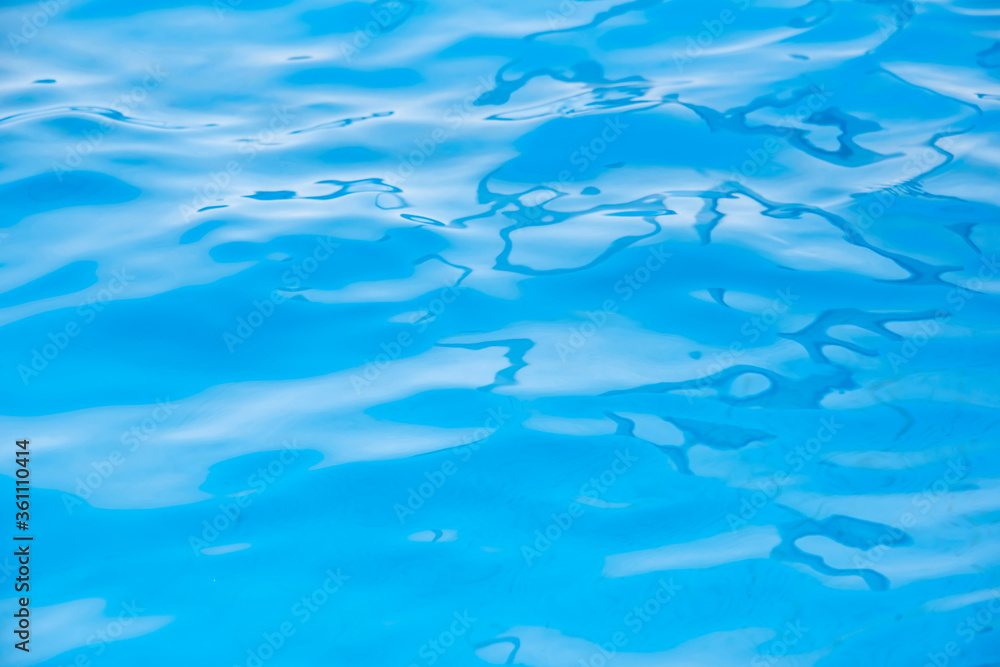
(481, 333)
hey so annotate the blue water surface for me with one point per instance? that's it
(560, 333)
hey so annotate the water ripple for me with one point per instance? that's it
(617, 332)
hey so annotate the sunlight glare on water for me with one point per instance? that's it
(560, 333)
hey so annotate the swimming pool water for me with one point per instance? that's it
(565, 333)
